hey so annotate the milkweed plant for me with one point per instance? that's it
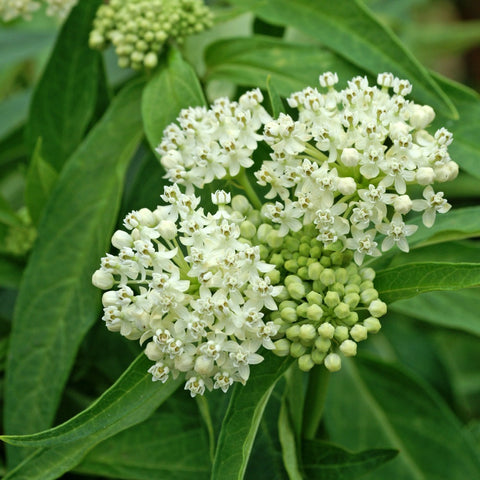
(274, 203)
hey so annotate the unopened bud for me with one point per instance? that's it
(348, 348)
(282, 347)
(305, 363)
(358, 332)
(326, 330)
(297, 349)
(342, 310)
(332, 299)
(377, 308)
(372, 324)
(323, 344)
(350, 157)
(341, 333)
(314, 312)
(102, 279)
(332, 362)
(327, 277)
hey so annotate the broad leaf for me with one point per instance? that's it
(458, 310)
(325, 461)
(57, 302)
(64, 98)
(52, 462)
(7, 214)
(349, 29)
(243, 418)
(171, 444)
(386, 407)
(173, 87)
(41, 178)
(288, 441)
(133, 396)
(408, 280)
(13, 112)
(250, 61)
(10, 272)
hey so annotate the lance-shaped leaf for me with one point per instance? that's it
(388, 408)
(412, 279)
(243, 417)
(132, 399)
(64, 98)
(133, 396)
(353, 32)
(57, 302)
(173, 87)
(325, 461)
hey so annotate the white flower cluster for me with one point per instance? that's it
(203, 312)
(343, 164)
(11, 9)
(139, 28)
(215, 143)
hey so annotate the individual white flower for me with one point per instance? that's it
(363, 243)
(396, 232)
(433, 203)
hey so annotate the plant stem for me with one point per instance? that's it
(315, 400)
(247, 186)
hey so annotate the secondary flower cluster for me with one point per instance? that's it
(11, 9)
(139, 28)
(210, 289)
(202, 312)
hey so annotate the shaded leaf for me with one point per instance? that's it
(57, 300)
(325, 461)
(13, 112)
(173, 87)
(357, 36)
(64, 98)
(243, 417)
(41, 178)
(409, 280)
(10, 272)
(386, 407)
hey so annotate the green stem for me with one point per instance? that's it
(247, 186)
(315, 400)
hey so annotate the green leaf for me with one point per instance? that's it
(57, 300)
(353, 32)
(64, 98)
(408, 280)
(10, 273)
(41, 178)
(171, 444)
(457, 310)
(7, 214)
(243, 417)
(457, 224)
(13, 112)
(134, 394)
(324, 461)
(250, 61)
(387, 408)
(465, 148)
(101, 421)
(288, 441)
(173, 87)
(276, 104)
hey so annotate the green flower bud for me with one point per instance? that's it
(327, 277)
(368, 274)
(282, 347)
(151, 60)
(372, 324)
(338, 287)
(351, 319)
(317, 356)
(341, 333)
(302, 310)
(366, 284)
(332, 362)
(332, 299)
(304, 249)
(307, 334)
(315, 270)
(342, 310)
(293, 332)
(247, 229)
(292, 244)
(323, 344)
(326, 330)
(262, 232)
(351, 288)
(368, 296)
(325, 261)
(274, 240)
(355, 279)
(305, 363)
(337, 258)
(318, 286)
(282, 295)
(352, 299)
(341, 275)
(302, 261)
(358, 332)
(314, 312)
(314, 298)
(377, 308)
(302, 272)
(241, 204)
(286, 254)
(274, 276)
(289, 314)
(310, 261)
(348, 348)
(297, 350)
(264, 252)
(316, 251)
(254, 216)
(291, 266)
(292, 279)
(277, 260)
(296, 290)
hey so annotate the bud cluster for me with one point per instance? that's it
(328, 303)
(11, 9)
(139, 28)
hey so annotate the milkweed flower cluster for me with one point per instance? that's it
(11, 9)
(336, 181)
(139, 28)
